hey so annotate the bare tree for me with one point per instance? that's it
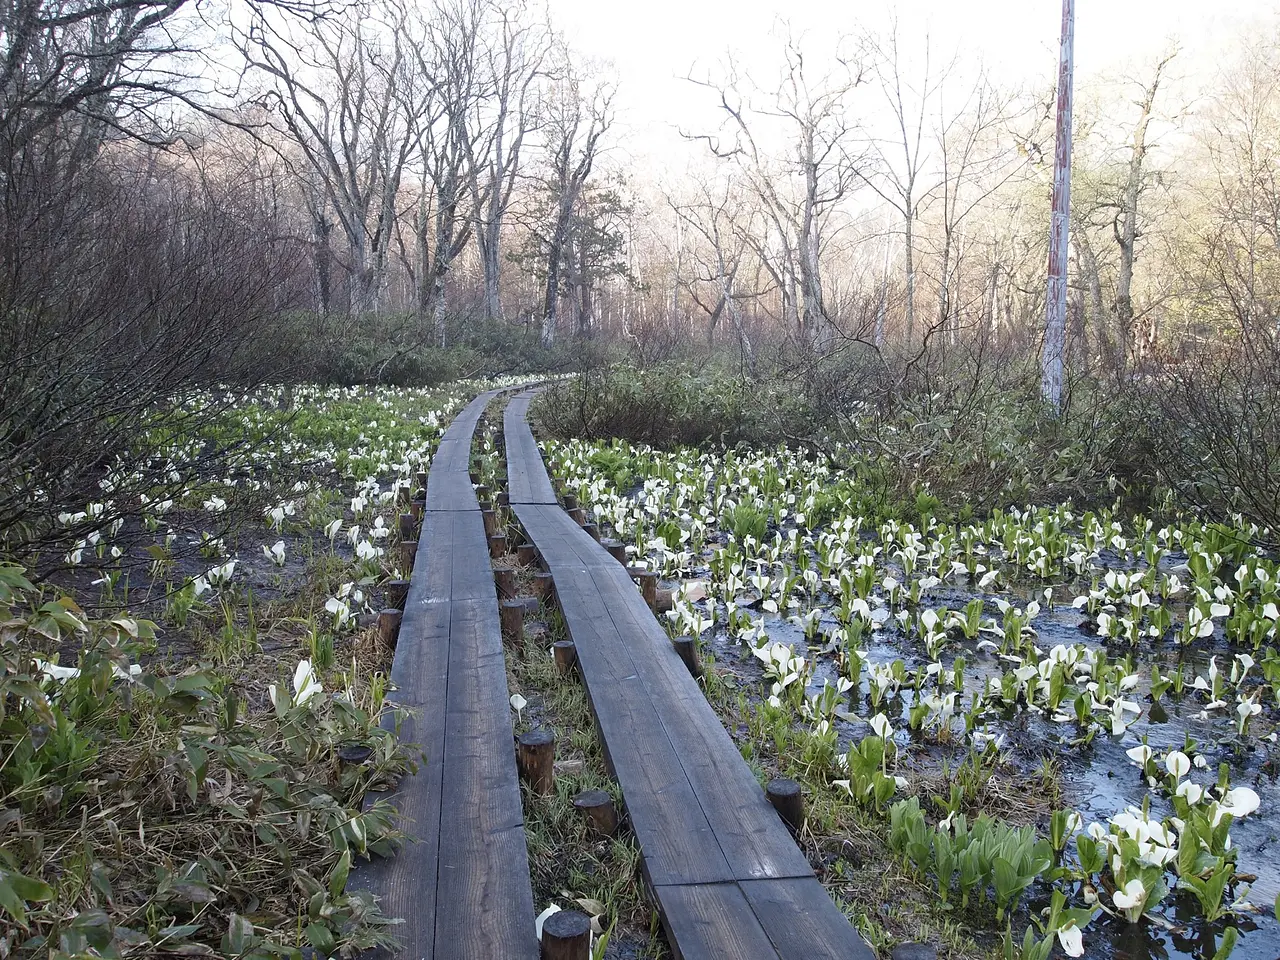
(448, 139)
(511, 57)
(902, 162)
(975, 164)
(344, 97)
(717, 264)
(578, 115)
(1137, 180)
(797, 194)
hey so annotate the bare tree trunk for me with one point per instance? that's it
(323, 264)
(815, 317)
(1125, 225)
(910, 252)
(883, 309)
(1051, 367)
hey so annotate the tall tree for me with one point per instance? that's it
(1055, 325)
(1125, 222)
(579, 114)
(797, 194)
(511, 59)
(343, 96)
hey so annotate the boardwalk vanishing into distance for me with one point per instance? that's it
(727, 876)
(461, 881)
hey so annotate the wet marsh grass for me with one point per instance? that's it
(848, 844)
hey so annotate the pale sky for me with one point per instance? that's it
(653, 43)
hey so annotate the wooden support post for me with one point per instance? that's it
(416, 509)
(544, 586)
(648, 581)
(570, 502)
(597, 807)
(407, 523)
(421, 478)
(566, 935)
(617, 549)
(504, 499)
(482, 492)
(408, 550)
(592, 530)
(353, 754)
(566, 655)
(527, 554)
(397, 591)
(787, 799)
(687, 647)
(388, 628)
(578, 516)
(536, 758)
(504, 578)
(664, 601)
(490, 520)
(474, 476)
(498, 545)
(511, 613)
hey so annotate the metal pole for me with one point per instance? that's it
(1055, 323)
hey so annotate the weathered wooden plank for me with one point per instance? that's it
(449, 485)
(485, 904)
(675, 836)
(406, 883)
(471, 573)
(712, 922)
(801, 920)
(755, 842)
(527, 480)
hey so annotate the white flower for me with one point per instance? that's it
(1132, 896)
(1072, 940)
(275, 553)
(1177, 764)
(1191, 790)
(1239, 802)
(542, 918)
(305, 683)
(880, 724)
(340, 609)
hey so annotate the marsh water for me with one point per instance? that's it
(1099, 780)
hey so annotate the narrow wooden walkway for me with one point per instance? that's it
(727, 875)
(461, 883)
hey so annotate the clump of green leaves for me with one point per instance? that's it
(150, 812)
(745, 520)
(996, 861)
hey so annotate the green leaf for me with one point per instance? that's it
(320, 937)
(96, 928)
(1229, 938)
(29, 888)
(338, 879)
(239, 936)
(10, 901)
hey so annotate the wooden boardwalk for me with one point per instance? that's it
(461, 883)
(728, 878)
